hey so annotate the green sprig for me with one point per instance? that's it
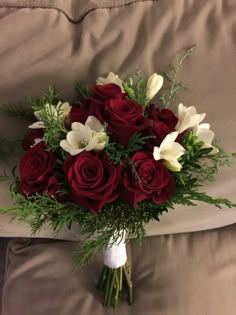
(171, 76)
(118, 153)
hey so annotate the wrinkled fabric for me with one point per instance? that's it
(58, 43)
(182, 274)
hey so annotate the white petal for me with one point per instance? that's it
(214, 151)
(154, 84)
(205, 135)
(171, 137)
(156, 153)
(58, 105)
(111, 78)
(82, 130)
(74, 138)
(77, 126)
(37, 125)
(191, 110)
(205, 125)
(65, 145)
(51, 109)
(172, 151)
(173, 165)
(181, 110)
(100, 146)
(91, 144)
(94, 124)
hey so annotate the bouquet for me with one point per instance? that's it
(111, 161)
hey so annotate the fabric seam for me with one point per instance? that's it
(91, 7)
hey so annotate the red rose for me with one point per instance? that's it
(156, 183)
(53, 188)
(36, 169)
(160, 131)
(165, 115)
(29, 140)
(93, 181)
(95, 104)
(125, 118)
(78, 115)
(106, 92)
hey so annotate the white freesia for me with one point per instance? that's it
(154, 84)
(98, 132)
(90, 136)
(37, 125)
(205, 135)
(60, 111)
(188, 118)
(169, 151)
(79, 139)
(111, 78)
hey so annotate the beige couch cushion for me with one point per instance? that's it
(182, 274)
(61, 42)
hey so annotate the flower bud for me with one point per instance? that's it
(154, 84)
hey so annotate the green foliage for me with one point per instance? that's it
(3, 178)
(198, 163)
(118, 153)
(17, 110)
(128, 87)
(54, 130)
(171, 76)
(136, 89)
(25, 110)
(51, 97)
(83, 91)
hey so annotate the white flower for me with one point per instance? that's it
(154, 84)
(79, 139)
(90, 136)
(169, 151)
(111, 78)
(99, 132)
(60, 111)
(205, 135)
(188, 118)
(37, 125)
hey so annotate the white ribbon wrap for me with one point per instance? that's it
(115, 256)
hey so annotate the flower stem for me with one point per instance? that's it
(129, 284)
(113, 281)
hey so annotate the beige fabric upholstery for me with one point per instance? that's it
(3, 246)
(60, 42)
(182, 274)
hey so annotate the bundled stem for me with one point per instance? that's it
(113, 281)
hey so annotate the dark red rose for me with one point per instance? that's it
(78, 115)
(159, 130)
(125, 118)
(156, 183)
(32, 138)
(165, 115)
(36, 168)
(95, 104)
(53, 188)
(106, 92)
(93, 181)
